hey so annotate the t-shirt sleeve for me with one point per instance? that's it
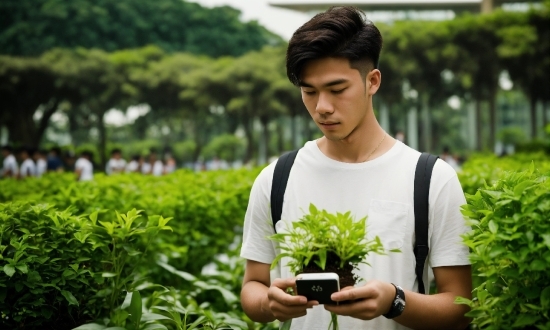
(257, 221)
(447, 224)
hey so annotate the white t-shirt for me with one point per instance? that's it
(86, 167)
(132, 166)
(28, 168)
(115, 166)
(146, 168)
(10, 164)
(158, 168)
(41, 167)
(381, 189)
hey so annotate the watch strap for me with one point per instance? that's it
(398, 303)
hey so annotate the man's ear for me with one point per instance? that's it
(373, 81)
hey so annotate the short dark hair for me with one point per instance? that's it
(338, 32)
(116, 151)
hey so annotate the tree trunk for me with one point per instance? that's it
(247, 124)
(492, 119)
(21, 129)
(544, 114)
(280, 136)
(50, 109)
(533, 112)
(102, 143)
(262, 159)
(293, 132)
(479, 144)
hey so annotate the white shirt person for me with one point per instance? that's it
(84, 169)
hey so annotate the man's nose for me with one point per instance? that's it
(324, 104)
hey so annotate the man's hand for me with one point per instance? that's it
(366, 302)
(283, 305)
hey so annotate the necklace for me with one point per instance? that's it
(379, 143)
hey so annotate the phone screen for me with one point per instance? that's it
(318, 288)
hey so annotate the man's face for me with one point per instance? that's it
(335, 96)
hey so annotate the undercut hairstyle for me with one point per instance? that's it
(340, 32)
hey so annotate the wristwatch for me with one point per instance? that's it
(398, 304)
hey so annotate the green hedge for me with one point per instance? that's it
(510, 252)
(207, 208)
(61, 269)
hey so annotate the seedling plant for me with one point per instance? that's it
(325, 242)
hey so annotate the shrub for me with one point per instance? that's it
(61, 269)
(510, 252)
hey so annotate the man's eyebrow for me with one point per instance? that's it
(330, 83)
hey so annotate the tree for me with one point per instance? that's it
(525, 53)
(26, 87)
(31, 27)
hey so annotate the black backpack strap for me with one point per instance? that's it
(422, 178)
(278, 185)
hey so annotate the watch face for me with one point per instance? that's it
(400, 303)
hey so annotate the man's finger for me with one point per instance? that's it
(363, 292)
(284, 283)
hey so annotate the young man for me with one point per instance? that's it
(356, 167)
(41, 164)
(9, 166)
(54, 162)
(116, 163)
(28, 167)
(83, 168)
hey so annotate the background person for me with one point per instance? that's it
(83, 167)
(116, 163)
(54, 162)
(10, 168)
(28, 167)
(170, 163)
(135, 164)
(40, 161)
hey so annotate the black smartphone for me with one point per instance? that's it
(318, 286)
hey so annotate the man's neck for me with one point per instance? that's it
(367, 142)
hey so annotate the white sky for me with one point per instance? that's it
(280, 21)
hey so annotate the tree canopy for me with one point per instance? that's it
(31, 27)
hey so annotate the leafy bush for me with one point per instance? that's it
(484, 169)
(511, 135)
(207, 208)
(534, 146)
(60, 269)
(510, 252)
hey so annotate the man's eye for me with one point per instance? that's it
(338, 91)
(309, 92)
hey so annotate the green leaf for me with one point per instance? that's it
(538, 265)
(155, 326)
(545, 298)
(23, 268)
(546, 238)
(525, 319)
(463, 301)
(91, 326)
(93, 217)
(70, 298)
(108, 274)
(520, 188)
(135, 307)
(9, 270)
(153, 317)
(493, 227)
